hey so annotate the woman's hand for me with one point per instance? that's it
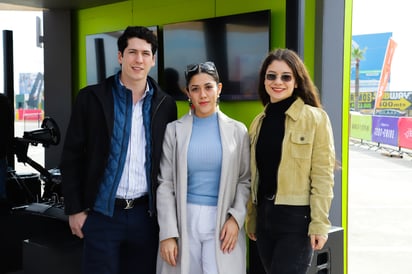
(318, 241)
(169, 251)
(252, 236)
(229, 235)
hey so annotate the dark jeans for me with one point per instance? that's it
(282, 241)
(126, 243)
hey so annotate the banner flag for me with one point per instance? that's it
(386, 69)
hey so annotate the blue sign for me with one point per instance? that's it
(375, 48)
(385, 130)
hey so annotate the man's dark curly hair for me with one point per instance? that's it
(137, 32)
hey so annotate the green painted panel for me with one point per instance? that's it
(243, 111)
(361, 126)
(345, 123)
(171, 11)
(309, 35)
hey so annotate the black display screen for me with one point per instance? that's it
(237, 44)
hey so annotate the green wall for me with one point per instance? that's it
(147, 13)
(345, 124)
(118, 16)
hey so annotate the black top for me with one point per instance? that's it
(269, 145)
(277, 218)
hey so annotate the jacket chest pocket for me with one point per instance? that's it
(301, 144)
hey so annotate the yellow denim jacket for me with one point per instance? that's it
(306, 169)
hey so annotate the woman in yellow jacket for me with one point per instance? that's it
(292, 167)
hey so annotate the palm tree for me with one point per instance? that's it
(357, 56)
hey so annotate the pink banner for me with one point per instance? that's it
(405, 132)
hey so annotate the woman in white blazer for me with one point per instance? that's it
(204, 184)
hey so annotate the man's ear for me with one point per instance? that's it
(119, 57)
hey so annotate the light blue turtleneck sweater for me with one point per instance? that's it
(204, 161)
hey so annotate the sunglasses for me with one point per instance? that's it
(283, 77)
(206, 66)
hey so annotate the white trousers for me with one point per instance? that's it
(202, 243)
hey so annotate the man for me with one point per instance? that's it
(110, 161)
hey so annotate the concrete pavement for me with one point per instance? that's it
(380, 212)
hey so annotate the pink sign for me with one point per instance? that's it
(405, 132)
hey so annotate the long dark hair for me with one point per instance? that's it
(306, 90)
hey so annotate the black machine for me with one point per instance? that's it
(35, 225)
(26, 193)
(48, 134)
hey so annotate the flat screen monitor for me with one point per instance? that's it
(101, 56)
(237, 44)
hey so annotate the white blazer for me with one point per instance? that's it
(234, 191)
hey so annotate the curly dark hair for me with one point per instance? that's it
(305, 89)
(137, 32)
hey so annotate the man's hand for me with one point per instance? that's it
(76, 222)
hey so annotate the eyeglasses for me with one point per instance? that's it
(206, 66)
(283, 77)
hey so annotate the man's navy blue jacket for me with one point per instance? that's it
(87, 143)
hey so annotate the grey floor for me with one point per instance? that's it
(380, 211)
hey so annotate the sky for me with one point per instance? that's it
(377, 16)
